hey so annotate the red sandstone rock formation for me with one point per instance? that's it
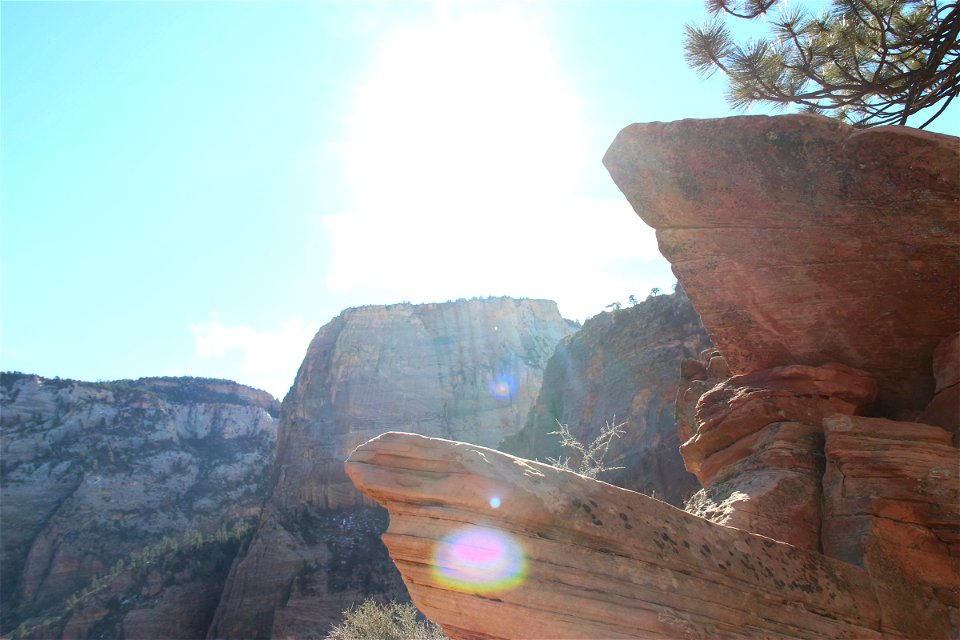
(891, 497)
(804, 244)
(801, 240)
(492, 546)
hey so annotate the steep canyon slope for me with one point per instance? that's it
(124, 502)
(621, 366)
(468, 370)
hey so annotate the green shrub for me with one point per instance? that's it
(372, 620)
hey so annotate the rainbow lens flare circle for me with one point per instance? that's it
(502, 387)
(479, 560)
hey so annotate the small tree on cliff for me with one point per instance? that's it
(869, 62)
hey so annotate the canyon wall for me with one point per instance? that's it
(124, 502)
(468, 370)
(622, 366)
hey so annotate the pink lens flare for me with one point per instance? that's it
(479, 560)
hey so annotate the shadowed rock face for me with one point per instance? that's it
(621, 365)
(557, 555)
(108, 479)
(468, 370)
(803, 241)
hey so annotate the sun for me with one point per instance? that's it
(471, 108)
(464, 152)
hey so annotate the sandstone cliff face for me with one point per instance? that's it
(100, 479)
(469, 370)
(623, 365)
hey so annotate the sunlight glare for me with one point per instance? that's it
(470, 109)
(479, 560)
(465, 148)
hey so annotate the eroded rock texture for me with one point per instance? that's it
(944, 408)
(469, 370)
(492, 546)
(891, 503)
(623, 366)
(124, 502)
(803, 241)
(824, 263)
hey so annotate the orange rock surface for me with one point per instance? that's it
(493, 546)
(801, 240)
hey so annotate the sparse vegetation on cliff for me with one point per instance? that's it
(372, 620)
(588, 459)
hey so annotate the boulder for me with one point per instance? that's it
(493, 546)
(801, 240)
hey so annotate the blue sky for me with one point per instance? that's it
(194, 188)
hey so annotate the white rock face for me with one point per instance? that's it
(93, 473)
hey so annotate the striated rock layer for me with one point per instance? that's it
(492, 546)
(824, 262)
(468, 369)
(801, 240)
(624, 366)
(124, 502)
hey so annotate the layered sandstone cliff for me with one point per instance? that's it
(621, 366)
(101, 481)
(468, 370)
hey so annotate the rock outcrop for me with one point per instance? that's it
(624, 366)
(824, 262)
(492, 546)
(801, 240)
(469, 370)
(891, 501)
(121, 499)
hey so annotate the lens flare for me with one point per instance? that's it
(495, 502)
(502, 387)
(479, 561)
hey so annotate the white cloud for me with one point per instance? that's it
(269, 359)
